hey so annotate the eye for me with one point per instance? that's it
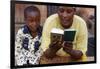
(30, 20)
(61, 10)
(69, 11)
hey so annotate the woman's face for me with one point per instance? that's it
(66, 16)
(33, 21)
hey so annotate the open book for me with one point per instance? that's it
(66, 34)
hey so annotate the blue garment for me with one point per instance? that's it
(26, 40)
(27, 50)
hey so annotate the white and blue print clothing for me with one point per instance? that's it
(27, 50)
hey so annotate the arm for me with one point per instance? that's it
(82, 40)
(18, 45)
(53, 48)
(49, 48)
(75, 54)
(81, 43)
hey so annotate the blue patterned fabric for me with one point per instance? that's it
(25, 43)
(26, 40)
(27, 50)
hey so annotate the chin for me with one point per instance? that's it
(32, 30)
(66, 26)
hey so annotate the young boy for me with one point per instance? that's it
(28, 38)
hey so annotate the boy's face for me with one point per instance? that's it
(33, 20)
(66, 16)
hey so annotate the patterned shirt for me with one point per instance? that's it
(27, 49)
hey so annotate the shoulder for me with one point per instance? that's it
(20, 31)
(23, 30)
(79, 20)
(80, 25)
(52, 17)
(51, 20)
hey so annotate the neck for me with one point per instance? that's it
(34, 34)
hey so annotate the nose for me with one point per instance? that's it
(64, 14)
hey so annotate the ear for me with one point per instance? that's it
(74, 10)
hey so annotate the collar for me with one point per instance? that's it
(26, 30)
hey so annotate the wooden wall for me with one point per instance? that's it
(85, 13)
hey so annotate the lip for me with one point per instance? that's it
(65, 21)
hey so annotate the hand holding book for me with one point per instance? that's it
(53, 48)
(67, 46)
(59, 36)
(64, 37)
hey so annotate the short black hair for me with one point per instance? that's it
(68, 6)
(30, 9)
